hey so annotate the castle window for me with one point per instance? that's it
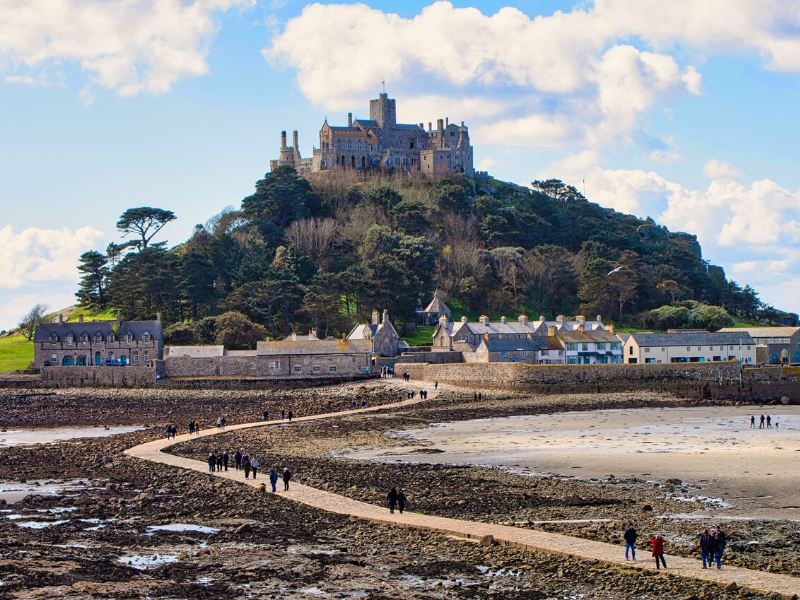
(363, 162)
(359, 144)
(343, 159)
(353, 161)
(411, 143)
(348, 144)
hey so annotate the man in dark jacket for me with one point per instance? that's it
(225, 459)
(212, 461)
(707, 548)
(237, 460)
(720, 541)
(630, 536)
(287, 475)
(401, 501)
(392, 497)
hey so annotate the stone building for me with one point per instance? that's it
(381, 141)
(97, 343)
(780, 345)
(430, 315)
(380, 333)
(533, 350)
(303, 359)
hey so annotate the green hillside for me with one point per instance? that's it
(15, 353)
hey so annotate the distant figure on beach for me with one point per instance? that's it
(630, 536)
(191, 427)
(769, 421)
(720, 541)
(657, 541)
(776, 426)
(761, 422)
(392, 498)
(169, 431)
(212, 462)
(435, 385)
(283, 414)
(246, 466)
(353, 404)
(290, 416)
(401, 501)
(707, 548)
(254, 466)
(237, 460)
(363, 404)
(219, 460)
(752, 421)
(225, 459)
(273, 479)
(265, 416)
(480, 396)
(287, 476)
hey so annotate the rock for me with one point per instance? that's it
(673, 482)
(744, 592)
(731, 587)
(111, 487)
(786, 400)
(647, 508)
(83, 501)
(143, 497)
(487, 540)
(244, 529)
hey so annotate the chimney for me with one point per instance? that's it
(551, 330)
(484, 319)
(385, 316)
(80, 318)
(443, 320)
(447, 121)
(463, 319)
(486, 336)
(503, 320)
(541, 318)
(580, 319)
(430, 126)
(439, 124)
(374, 316)
(422, 126)
(119, 318)
(283, 139)
(158, 317)
(349, 119)
(610, 329)
(600, 318)
(560, 319)
(581, 328)
(294, 139)
(462, 124)
(60, 319)
(523, 319)
(294, 336)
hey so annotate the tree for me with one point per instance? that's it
(145, 222)
(281, 197)
(449, 196)
(197, 281)
(179, 334)
(558, 190)
(411, 216)
(236, 331)
(314, 237)
(92, 289)
(29, 321)
(147, 282)
(673, 288)
(384, 196)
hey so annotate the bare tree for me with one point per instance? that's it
(312, 236)
(228, 219)
(29, 321)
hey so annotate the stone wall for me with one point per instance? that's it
(100, 376)
(269, 367)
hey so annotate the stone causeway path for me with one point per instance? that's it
(539, 541)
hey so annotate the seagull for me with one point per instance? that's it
(618, 269)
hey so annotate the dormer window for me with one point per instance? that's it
(84, 338)
(98, 338)
(128, 338)
(146, 337)
(70, 338)
(111, 338)
(53, 338)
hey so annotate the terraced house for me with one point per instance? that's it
(97, 343)
(774, 345)
(690, 346)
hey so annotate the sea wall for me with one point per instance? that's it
(100, 376)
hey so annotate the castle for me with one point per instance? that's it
(383, 142)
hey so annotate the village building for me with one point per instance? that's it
(690, 347)
(381, 141)
(380, 333)
(97, 343)
(303, 359)
(431, 314)
(533, 350)
(590, 347)
(775, 345)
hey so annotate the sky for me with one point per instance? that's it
(684, 111)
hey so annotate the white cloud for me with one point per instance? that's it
(719, 169)
(129, 46)
(39, 255)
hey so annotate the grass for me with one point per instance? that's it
(422, 336)
(109, 314)
(15, 353)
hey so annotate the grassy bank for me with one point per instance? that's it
(15, 353)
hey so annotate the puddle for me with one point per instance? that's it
(12, 492)
(57, 511)
(142, 562)
(206, 580)
(28, 437)
(313, 591)
(40, 524)
(182, 527)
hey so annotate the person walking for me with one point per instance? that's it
(392, 498)
(657, 541)
(283, 414)
(630, 536)
(225, 459)
(254, 466)
(265, 416)
(769, 422)
(237, 460)
(246, 466)
(761, 422)
(169, 431)
(212, 462)
(273, 479)
(191, 427)
(174, 431)
(435, 385)
(707, 548)
(219, 461)
(197, 426)
(401, 501)
(291, 414)
(752, 421)
(720, 541)
(287, 476)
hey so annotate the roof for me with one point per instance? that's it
(532, 344)
(91, 328)
(624, 336)
(693, 339)
(366, 123)
(437, 305)
(194, 351)
(764, 331)
(306, 347)
(598, 335)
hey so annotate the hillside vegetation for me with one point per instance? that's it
(324, 252)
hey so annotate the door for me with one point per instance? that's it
(123, 359)
(97, 359)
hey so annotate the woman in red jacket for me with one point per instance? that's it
(658, 549)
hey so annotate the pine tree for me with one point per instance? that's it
(92, 290)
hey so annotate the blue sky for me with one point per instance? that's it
(672, 111)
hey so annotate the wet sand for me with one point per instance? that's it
(25, 437)
(755, 472)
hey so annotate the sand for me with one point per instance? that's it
(753, 472)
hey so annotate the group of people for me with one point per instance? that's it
(763, 422)
(354, 404)
(194, 426)
(396, 500)
(423, 394)
(249, 464)
(478, 396)
(217, 461)
(172, 431)
(712, 546)
(387, 372)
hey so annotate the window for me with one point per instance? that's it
(585, 347)
(69, 339)
(110, 338)
(297, 369)
(504, 354)
(135, 356)
(630, 350)
(699, 348)
(84, 338)
(688, 348)
(53, 338)
(731, 347)
(711, 348)
(98, 338)
(53, 359)
(572, 347)
(647, 349)
(601, 346)
(333, 369)
(561, 353)
(315, 368)
(748, 347)
(663, 349)
(785, 340)
(128, 338)
(616, 345)
(146, 356)
(274, 364)
(146, 337)
(524, 354)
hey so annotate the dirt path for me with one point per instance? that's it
(505, 535)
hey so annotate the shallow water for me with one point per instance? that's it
(14, 492)
(182, 527)
(143, 562)
(26, 437)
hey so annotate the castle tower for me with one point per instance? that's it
(383, 111)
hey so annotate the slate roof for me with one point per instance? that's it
(437, 305)
(693, 339)
(194, 351)
(306, 347)
(759, 332)
(91, 328)
(537, 342)
(591, 337)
